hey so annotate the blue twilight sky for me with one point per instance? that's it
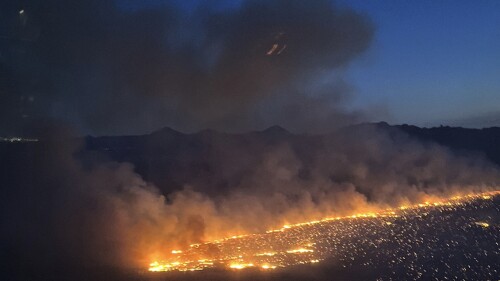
(431, 62)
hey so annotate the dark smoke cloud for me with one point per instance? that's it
(61, 212)
(107, 70)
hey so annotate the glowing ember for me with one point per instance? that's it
(307, 242)
(240, 265)
(483, 224)
(265, 254)
(267, 266)
(299, 251)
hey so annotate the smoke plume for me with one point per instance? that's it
(106, 69)
(62, 211)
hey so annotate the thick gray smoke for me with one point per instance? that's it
(63, 212)
(107, 70)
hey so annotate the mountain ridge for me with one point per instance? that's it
(170, 158)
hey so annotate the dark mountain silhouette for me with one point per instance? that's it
(170, 159)
(485, 141)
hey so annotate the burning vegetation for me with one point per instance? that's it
(344, 238)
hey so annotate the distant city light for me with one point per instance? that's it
(16, 139)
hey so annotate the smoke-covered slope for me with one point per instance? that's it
(170, 158)
(124, 201)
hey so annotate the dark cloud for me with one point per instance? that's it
(108, 70)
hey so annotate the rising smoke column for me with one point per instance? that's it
(235, 69)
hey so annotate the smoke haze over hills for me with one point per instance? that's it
(86, 209)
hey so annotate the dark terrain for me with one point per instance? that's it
(170, 158)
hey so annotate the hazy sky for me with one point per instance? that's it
(128, 67)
